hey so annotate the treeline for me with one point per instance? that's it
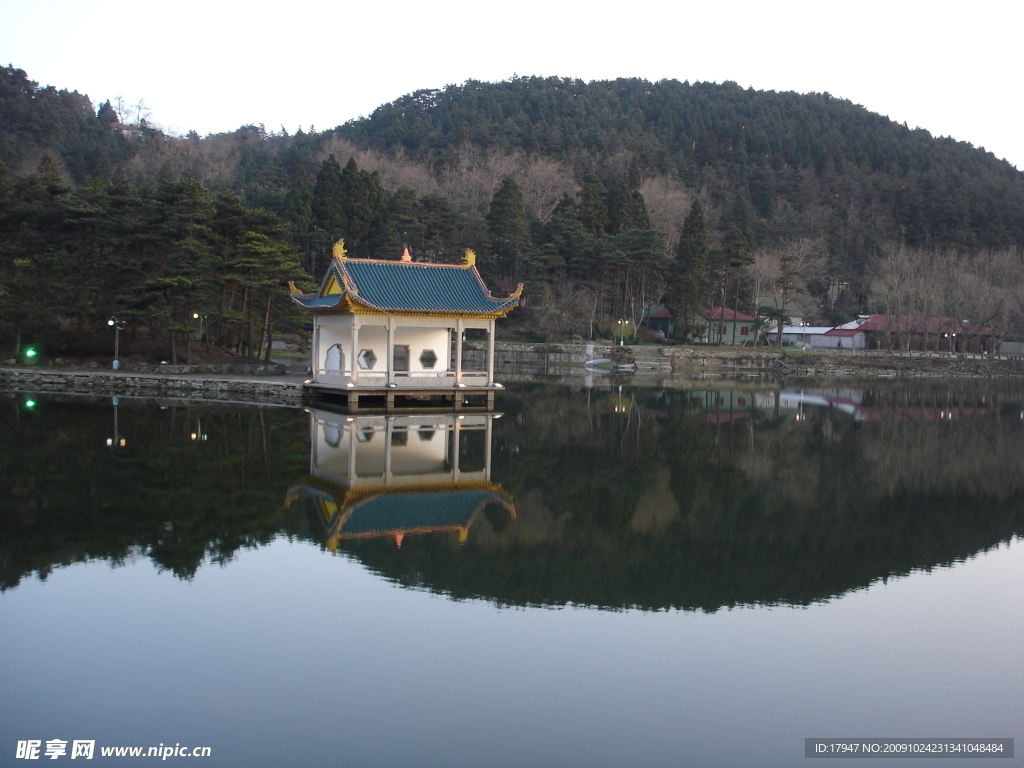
(173, 265)
(781, 151)
(35, 121)
(583, 191)
(599, 243)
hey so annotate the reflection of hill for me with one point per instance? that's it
(192, 483)
(631, 499)
(617, 508)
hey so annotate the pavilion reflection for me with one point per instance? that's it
(398, 475)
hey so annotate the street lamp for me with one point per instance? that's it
(118, 326)
(202, 321)
(622, 332)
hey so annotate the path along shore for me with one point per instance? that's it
(658, 366)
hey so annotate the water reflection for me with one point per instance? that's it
(697, 499)
(629, 497)
(177, 483)
(394, 476)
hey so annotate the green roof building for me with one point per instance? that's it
(384, 327)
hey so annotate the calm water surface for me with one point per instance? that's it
(591, 578)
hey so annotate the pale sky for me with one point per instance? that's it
(213, 66)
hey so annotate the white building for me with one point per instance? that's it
(387, 328)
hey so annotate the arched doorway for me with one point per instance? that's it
(335, 362)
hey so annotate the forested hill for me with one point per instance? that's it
(604, 198)
(671, 126)
(768, 146)
(35, 120)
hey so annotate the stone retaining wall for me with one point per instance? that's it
(697, 362)
(196, 388)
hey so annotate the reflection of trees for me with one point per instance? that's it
(639, 498)
(657, 505)
(192, 483)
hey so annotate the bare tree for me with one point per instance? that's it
(667, 205)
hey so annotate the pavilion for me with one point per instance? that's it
(387, 329)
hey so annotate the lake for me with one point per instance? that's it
(604, 576)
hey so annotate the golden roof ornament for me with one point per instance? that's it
(339, 250)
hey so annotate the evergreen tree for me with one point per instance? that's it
(363, 203)
(106, 114)
(440, 230)
(298, 212)
(185, 270)
(34, 259)
(328, 210)
(509, 230)
(627, 209)
(403, 226)
(593, 213)
(688, 275)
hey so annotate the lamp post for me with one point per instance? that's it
(622, 332)
(202, 322)
(118, 327)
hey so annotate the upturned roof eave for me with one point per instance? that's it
(351, 301)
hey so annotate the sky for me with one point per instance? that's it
(212, 66)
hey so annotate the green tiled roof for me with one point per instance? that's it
(411, 511)
(312, 301)
(403, 286)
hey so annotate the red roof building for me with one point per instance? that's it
(919, 333)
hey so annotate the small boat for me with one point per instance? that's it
(602, 363)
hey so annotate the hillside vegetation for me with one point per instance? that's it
(603, 197)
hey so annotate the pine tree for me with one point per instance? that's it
(363, 203)
(627, 209)
(186, 269)
(329, 222)
(402, 227)
(509, 229)
(593, 212)
(688, 275)
(298, 212)
(106, 114)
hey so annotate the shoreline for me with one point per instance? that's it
(562, 363)
(270, 390)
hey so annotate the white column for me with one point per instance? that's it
(490, 354)
(458, 352)
(353, 362)
(391, 350)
